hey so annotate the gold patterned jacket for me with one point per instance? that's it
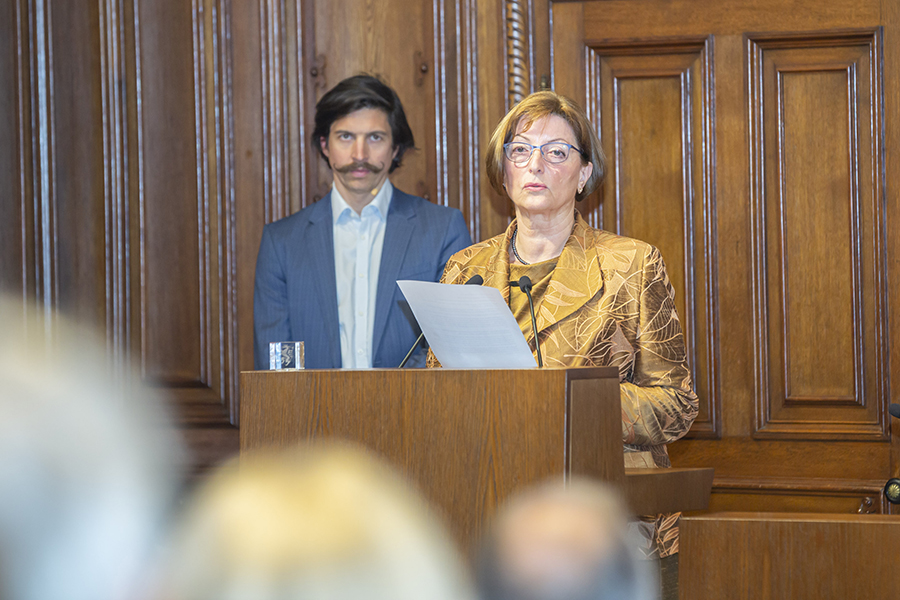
(609, 303)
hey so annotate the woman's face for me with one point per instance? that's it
(539, 187)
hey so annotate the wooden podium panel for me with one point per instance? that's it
(796, 556)
(467, 438)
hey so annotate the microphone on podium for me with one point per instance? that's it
(473, 280)
(894, 410)
(524, 284)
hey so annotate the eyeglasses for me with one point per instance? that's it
(520, 153)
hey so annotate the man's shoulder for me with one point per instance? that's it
(421, 206)
(315, 212)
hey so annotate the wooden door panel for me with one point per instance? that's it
(652, 101)
(818, 244)
(745, 141)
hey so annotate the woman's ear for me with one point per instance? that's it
(586, 171)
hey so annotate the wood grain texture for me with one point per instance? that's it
(891, 65)
(827, 381)
(13, 155)
(653, 491)
(130, 202)
(467, 438)
(624, 19)
(518, 43)
(798, 556)
(815, 99)
(798, 494)
(34, 117)
(653, 104)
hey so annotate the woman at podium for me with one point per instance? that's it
(600, 299)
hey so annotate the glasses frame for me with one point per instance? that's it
(541, 148)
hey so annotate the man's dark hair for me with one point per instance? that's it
(363, 91)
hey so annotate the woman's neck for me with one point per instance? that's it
(540, 239)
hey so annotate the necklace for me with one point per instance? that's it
(513, 245)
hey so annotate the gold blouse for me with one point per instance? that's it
(540, 275)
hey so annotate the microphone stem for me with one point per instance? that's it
(414, 346)
(537, 342)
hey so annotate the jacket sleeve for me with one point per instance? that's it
(271, 321)
(658, 400)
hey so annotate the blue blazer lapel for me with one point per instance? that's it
(397, 233)
(320, 249)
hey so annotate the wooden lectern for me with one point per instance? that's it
(468, 438)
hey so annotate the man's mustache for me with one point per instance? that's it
(356, 166)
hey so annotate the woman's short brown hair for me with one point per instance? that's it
(529, 110)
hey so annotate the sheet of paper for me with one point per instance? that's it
(468, 326)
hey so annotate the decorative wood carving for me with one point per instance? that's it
(275, 106)
(653, 102)
(458, 154)
(517, 51)
(216, 207)
(818, 235)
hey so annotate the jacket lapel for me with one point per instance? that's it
(496, 273)
(320, 248)
(398, 231)
(577, 278)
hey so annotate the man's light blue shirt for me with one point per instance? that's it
(358, 241)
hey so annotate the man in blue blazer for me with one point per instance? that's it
(327, 275)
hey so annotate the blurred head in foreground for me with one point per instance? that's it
(86, 466)
(560, 542)
(322, 522)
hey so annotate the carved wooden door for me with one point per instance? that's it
(753, 142)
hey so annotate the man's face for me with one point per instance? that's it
(360, 149)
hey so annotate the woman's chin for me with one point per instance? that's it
(533, 205)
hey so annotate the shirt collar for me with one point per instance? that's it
(379, 205)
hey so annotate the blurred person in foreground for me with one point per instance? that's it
(323, 522)
(601, 299)
(563, 542)
(87, 467)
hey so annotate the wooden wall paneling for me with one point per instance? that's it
(367, 42)
(567, 37)
(251, 204)
(816, 102)
(458, 168)
(789, 471)
(891, 66)
(519, 66)
(799, 494)
(540, 44)
(652, 104)
(656, 18)
(281, 194)
(34, 116)
(189, 261)
(122, 193)
(12, 150)
(493, 103)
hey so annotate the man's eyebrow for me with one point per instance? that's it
(339, 131)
